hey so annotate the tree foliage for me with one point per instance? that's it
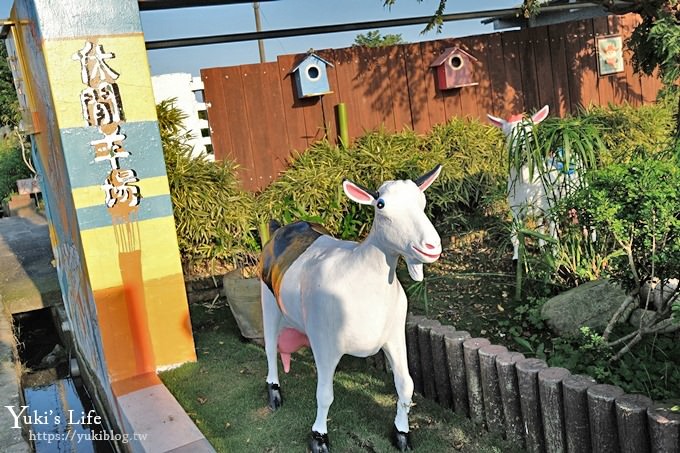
(9, 104)
(375, 39)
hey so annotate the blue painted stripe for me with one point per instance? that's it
(142, 141)
(148, 208)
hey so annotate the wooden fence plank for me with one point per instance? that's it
(416, 76)
(293, 108)
(605, 83)
(527, 64)
(435, 101)
(588, 63)
(560, 68)
(496, 73)
(618, 79)
(256, 112)
(242, 146)
(632, 78)
(330, 100)
(399, 85)
(664, 428)
(345, 65)
(514, 97)
(276, 120)
(544, 77)
(470, 96)
(220, 133)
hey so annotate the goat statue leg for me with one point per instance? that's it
(271, 322)
(395, 350)
(325, 369)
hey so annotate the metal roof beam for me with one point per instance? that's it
(321, 29)
(155, 5)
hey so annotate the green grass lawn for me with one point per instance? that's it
(225, 394)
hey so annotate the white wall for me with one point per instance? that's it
(184, 87)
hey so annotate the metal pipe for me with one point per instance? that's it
(343, 130)
(258, 28)
(321, 29)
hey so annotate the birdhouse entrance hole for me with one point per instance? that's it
(456, 62)
(313, 72)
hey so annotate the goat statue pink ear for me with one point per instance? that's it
(358, 193)
(498, 122)
(540, 115)
(428, 178)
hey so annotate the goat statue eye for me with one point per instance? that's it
(381, 203)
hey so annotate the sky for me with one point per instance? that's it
(281, 14)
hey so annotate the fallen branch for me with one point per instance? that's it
(626, 302)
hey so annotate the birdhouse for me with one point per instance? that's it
(454, 69)
(311, 76)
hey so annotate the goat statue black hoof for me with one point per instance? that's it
(401, 440)
(274, 392)
(319, 443)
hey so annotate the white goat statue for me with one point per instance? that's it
(534, 191)
(344, 296)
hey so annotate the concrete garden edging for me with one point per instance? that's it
(542, 408)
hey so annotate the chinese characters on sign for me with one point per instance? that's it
(103, 108)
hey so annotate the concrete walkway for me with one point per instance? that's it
(28, 281)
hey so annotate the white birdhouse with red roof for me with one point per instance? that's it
(455, 69)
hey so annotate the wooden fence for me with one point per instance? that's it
(257, 120)
(537, 407)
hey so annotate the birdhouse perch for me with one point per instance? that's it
(455, 69)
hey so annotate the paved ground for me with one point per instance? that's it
(28, 281)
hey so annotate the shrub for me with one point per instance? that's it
(213, 216)
(471, 154)
(628, 132)
(637, 205)
(12, 167)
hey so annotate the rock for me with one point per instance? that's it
(642, 314)
(591, 305)
(659, 295)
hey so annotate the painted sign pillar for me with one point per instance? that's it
(84, 83)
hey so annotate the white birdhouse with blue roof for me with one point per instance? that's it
(311, 76)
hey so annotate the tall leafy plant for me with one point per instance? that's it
(214, 217)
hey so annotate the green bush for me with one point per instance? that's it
(12, 167)
(637, 205)
(628, 132)
(214, 217)
(471, 155)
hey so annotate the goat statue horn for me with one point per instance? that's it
(427, 176)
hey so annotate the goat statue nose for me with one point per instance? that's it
(430, 246)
